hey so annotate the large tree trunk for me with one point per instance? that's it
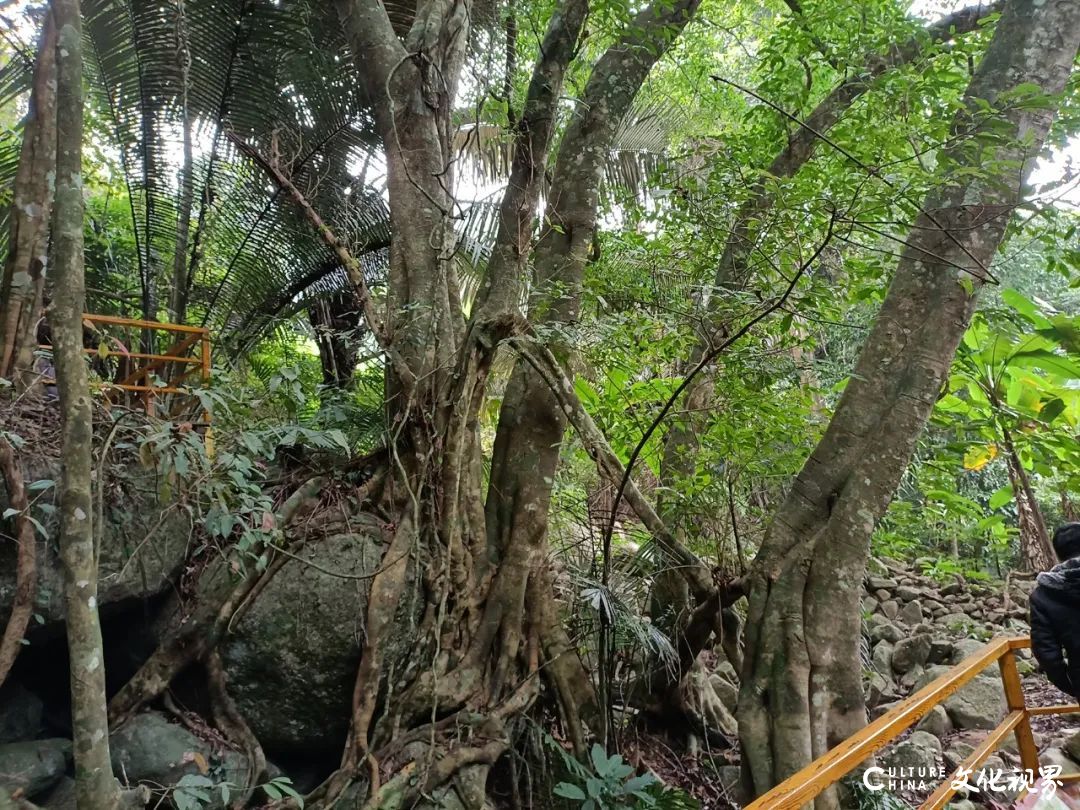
(95, 787)
(801, 691)
(671, 600)
(485, 617)
(23, 280)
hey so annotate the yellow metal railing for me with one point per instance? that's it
(149, 375)
(826, 770)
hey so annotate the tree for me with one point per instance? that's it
(800, 691)
(23, 280)
(95, 787)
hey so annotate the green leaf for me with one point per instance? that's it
(10, 512)
(1049, 362)
(271, 790)
(1001, 497)
(41, 484)
(1052, 410)
(568, 791)
(599, 758)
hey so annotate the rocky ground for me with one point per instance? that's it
(915, 629)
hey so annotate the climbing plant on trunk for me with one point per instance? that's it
(801, 691)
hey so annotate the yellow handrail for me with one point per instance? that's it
(191, 349)
(831, 767)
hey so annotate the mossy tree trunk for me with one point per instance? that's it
(801, 690)
(95, 787)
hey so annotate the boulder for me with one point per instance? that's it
(1072, 746)
(291, 660)
(726, 691)
(20, 713)
(936, 722)
(958, 622)
(956, 753)
(951, 589)
(150, 750)
(910, 652)
(907, 593)
(61, 797)
(1055, 756)
(920, 752)
(142, 547)
(878, 687)
(881, 629)
(880, 583)
(965, 648)
(882, 658)
(980, 704)
(30, 768)
(911, 613)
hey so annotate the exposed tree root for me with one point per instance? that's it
(232, 724)
(206, 630)
(26, 570)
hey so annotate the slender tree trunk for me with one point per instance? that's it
(1035, 548)
(801, 690)
(23, 280)
(178, 297)
(95, 787)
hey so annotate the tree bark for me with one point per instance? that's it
(1035, 548)
(95, 787)
(22, 606)
(23, 280)
(801, 690)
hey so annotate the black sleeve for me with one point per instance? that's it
(1046, 646)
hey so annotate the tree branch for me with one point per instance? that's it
(348, 261)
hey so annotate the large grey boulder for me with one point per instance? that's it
(979, 704)
(143, 545)
(291, 659)
(150, 750)
(30, 768)
(20, 713)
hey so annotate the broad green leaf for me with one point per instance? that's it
(569, 791)
(1001, 497)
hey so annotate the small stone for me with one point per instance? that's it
(869, 605)
(907, 593)
(951, 589)
(877, 688)
(882, 658)
(941, 650)
(912, 613)
(956, 621)
(890, 608)
(882, 595)
(932, 605)
(936, 722)
(881, 629)
(881, 583)
(919, 751)
(909, 652)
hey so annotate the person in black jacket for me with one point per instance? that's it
(1055, 614)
